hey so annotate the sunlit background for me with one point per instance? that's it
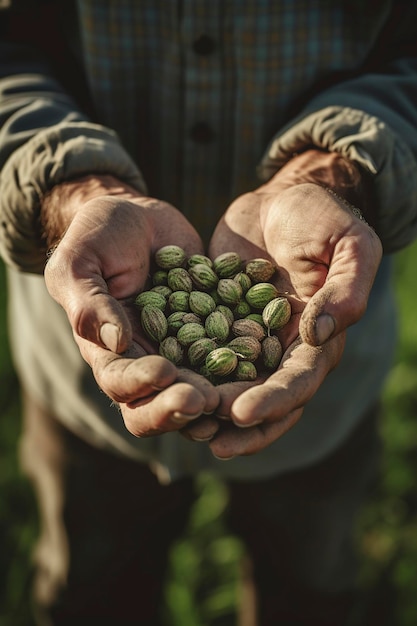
(204, 582)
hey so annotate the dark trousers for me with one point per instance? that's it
(107, 526)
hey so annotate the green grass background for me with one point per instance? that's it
(203, 586)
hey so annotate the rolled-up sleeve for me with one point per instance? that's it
(57, 154)
(389, 160)
(369, 117)
(45, 139)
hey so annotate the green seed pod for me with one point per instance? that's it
(154, 323)
(243, 280)
(227, 312)
(217, 326)
(245, 370)
(205, 372)
(198, 350)
(197, 259)
(179, 301)
(201, 303)
(168, 257)
(215, 296)
(203, 277)
(260, 270)
(271, 352)
(276, 313)
(192, 317)
(190, 332)
(260, 294)
(163, 290)
(247, 348)
(179, 279)
(241, 310)
(256, 317)
(227, 264)
(151, 298)
(229, 290)
(247, 327)
(175, 321)
(221, 361)
(160, 277)
(172, 350)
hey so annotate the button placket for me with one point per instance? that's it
(203, 109)
(204, 45)
(201, 132)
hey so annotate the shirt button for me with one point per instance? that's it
(201, 132)
(203, 45)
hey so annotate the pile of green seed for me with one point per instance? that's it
(216, 317)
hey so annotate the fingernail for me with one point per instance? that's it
(202, 439)
(247, 424)
(110, 335)
(225, 418)
(224, 458)
(183, 418)
(325, 327)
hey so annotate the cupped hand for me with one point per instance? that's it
(101, 262)
(153, 396)
(327, 259)
(252, 416)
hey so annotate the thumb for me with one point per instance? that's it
(331, 310)
(102, 320)
(343, 298)
(93, 313)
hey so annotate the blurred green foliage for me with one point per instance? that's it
(387, 533)
(17, 507)
(203, 583)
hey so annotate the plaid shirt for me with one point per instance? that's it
(196, 89)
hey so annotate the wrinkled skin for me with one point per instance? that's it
(102, 261)
(327, 260)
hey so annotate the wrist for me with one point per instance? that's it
(342, 177)
(60, 205)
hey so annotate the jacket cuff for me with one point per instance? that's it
(53, 156)
(370, 143)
